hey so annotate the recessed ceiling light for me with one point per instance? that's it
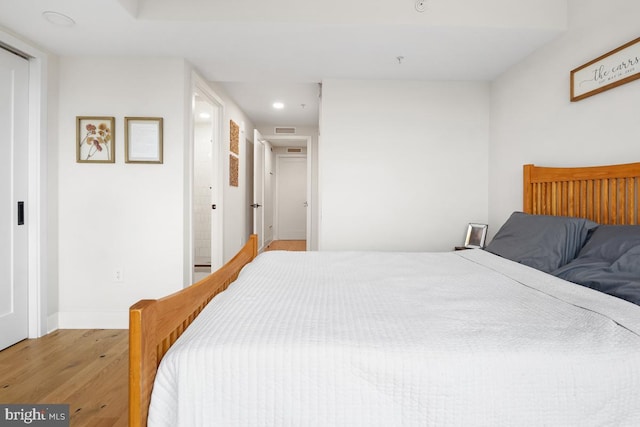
(278, 105)
(59, 19)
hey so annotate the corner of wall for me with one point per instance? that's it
(53, 322)
(53, 290)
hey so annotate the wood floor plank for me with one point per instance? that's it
(103, 395)
(34, 352)
(95, 363)
(88, 369)
(55, 370)
(287, 245)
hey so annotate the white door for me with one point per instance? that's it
(258, 187)
(14, 94)
(215, 195)
(291, 196)
(207, 227)
(204, 169)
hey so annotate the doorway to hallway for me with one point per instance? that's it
(291, 197)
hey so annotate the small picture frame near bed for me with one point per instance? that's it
(476, 235)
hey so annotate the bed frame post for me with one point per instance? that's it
(140, 347)
(527, 194)
(253, 242)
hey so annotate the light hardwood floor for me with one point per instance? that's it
(287, 245)
(88, 369)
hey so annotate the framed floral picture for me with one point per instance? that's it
(95, 139)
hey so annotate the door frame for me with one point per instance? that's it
(38, 281)
(200, 86)
(259, 170)
(310, 193)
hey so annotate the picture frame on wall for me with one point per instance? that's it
(234, 170)
(143, 140)
(476, 235)
(95, 139)
(234, 137)
(610, 70)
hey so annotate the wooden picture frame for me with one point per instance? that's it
(234, 170)
(610, 70)
(143, 140)
(95, 139)
(476, 235)
(234, 137)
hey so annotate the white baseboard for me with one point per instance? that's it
(53, 322)
(93, 319)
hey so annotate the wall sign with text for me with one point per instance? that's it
(612, 69)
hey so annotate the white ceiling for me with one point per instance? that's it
(261, 51)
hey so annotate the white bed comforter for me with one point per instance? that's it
(402, 339)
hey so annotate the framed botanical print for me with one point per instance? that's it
(95, 139)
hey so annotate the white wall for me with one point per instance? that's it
(119, 216)
(402, 164)
(236, 209)
(532, 120)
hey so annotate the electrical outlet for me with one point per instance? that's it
(117, 275)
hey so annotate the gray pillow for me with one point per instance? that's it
(610, 242)
(609, 262)
(543, 242)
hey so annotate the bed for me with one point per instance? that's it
(331, 368)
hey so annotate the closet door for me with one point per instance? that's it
(14, 96)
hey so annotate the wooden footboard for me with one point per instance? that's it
(154, 325)
(604, 194)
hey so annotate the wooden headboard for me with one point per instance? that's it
(604, 194)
